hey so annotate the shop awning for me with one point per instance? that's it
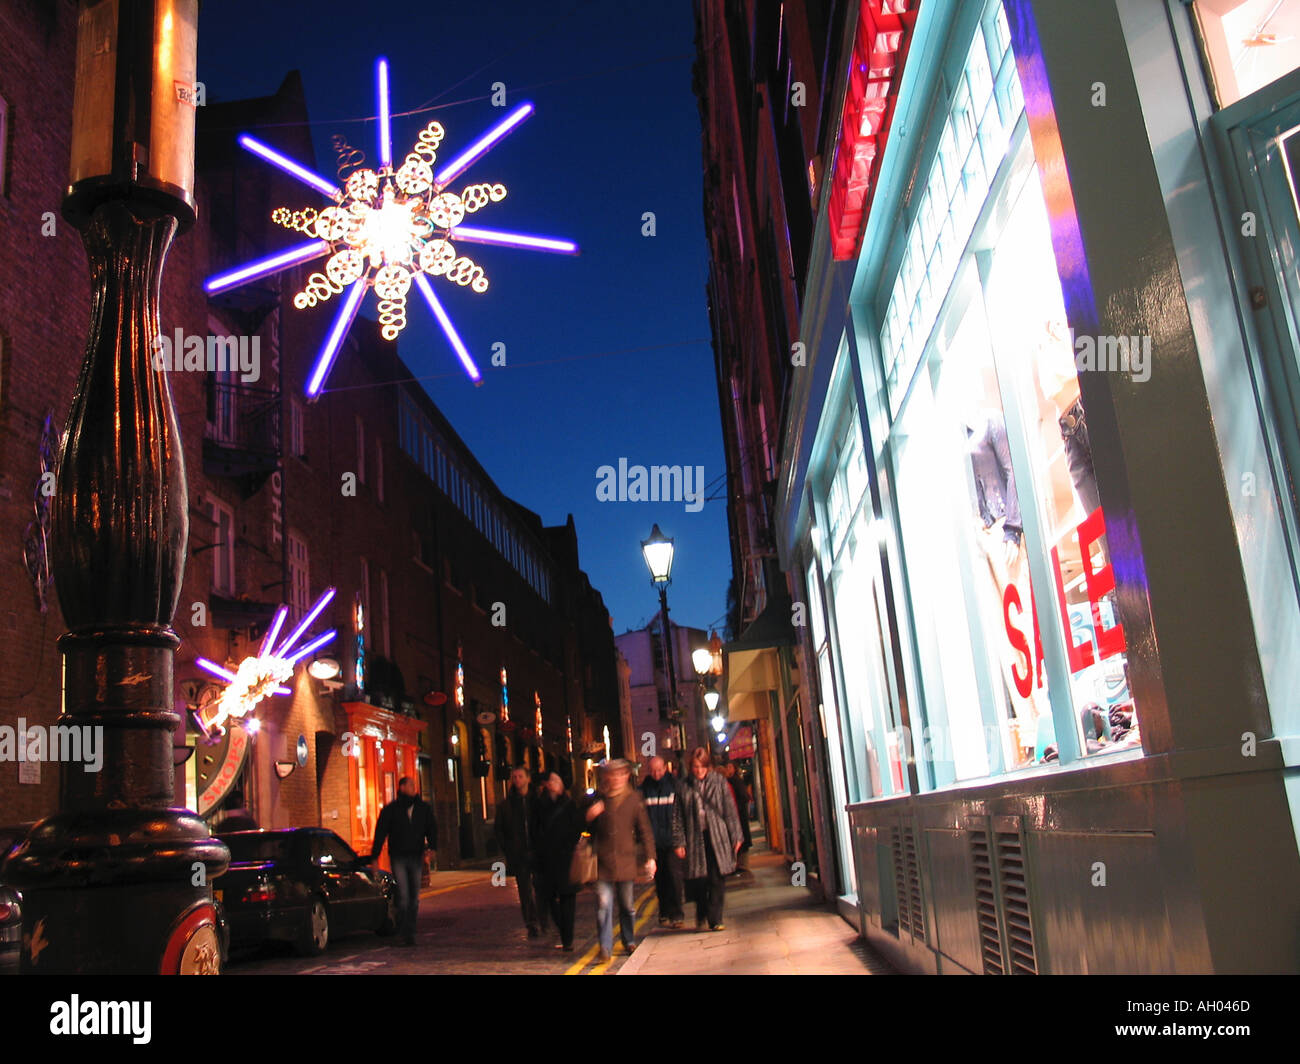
(753, 668)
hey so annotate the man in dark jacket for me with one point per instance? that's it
(409, 826)
(513, 828)
(663, 803)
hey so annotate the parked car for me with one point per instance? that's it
(305, 886)
(11, 899)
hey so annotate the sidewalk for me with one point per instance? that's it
(772, 928)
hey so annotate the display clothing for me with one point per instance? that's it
(1078, 456)
(995, 487)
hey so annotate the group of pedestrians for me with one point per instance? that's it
(684, 834)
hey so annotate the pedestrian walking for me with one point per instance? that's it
(555, 835)
(236, 816)
(740, 792)
(663, 802)
(713, 838)
(409, 826)
(625, 844)
(513, 828)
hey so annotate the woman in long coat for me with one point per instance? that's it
(713, 836)
(556, 827)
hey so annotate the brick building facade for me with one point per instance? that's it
(463, 594)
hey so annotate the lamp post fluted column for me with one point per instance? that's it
(117, 881)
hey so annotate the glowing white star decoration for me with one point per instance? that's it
(389, 228)
(265, 674)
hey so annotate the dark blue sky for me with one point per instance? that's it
(616, 133)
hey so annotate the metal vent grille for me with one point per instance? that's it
(907, 882)
(1015, 902)
(986, 905)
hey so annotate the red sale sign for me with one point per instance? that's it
(1106, 642)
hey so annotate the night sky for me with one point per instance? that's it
(608, 354)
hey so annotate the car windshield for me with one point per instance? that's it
(256, 846)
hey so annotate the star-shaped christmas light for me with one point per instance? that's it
(263, 675)
(389, 228)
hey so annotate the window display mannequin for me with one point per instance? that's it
(1001, 540)
(1059, 380)
(995, 487)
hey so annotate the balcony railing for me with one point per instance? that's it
(243, 431)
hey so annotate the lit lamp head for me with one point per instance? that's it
(658, 551)
(324, 668)
(702, 659)
(134, 107)
(711, 699)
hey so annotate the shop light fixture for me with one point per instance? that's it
(324, 668)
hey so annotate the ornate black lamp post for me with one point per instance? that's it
(117, 880)
(658, 552)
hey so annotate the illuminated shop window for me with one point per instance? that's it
(1003, 549)
(1247, 43)
(994, 478)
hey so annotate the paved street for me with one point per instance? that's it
(469, 927)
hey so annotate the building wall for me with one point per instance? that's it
(42, 334)
(956, 867)
(443, 572)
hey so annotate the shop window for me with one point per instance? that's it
(998, 512)
(1247, 44)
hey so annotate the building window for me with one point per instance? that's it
(4, 147)
(361, 450)
(385, 644)
(365, 601)
(1247, 44)
(223, 548)
(379, 469)
(299, 576)
(987, 442)
(297, 446)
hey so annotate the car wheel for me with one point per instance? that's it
(316, 935)
(389, 926)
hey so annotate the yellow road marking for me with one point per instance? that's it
(446, 890)
(650, 910)
(583, 961)
(590, 955)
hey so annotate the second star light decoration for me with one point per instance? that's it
(389, 228)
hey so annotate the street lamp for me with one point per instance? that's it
(118, 880)
(658, 552)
